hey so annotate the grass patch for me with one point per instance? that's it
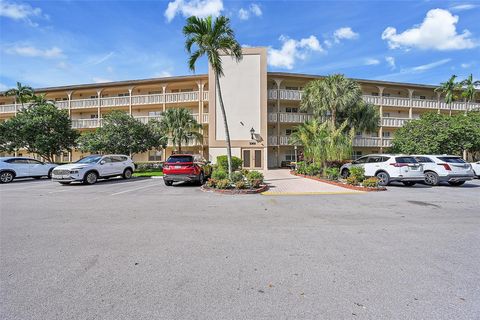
(148, 173)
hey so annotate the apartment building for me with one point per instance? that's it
(263, 109)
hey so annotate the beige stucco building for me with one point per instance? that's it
(267, 102)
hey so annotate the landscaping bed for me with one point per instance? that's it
(261, 189)
(339, 183)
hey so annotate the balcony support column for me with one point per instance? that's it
(410, 109)
(439, 95)
(164, 90)
(99, 112)
(380, 131)
(278, 82)
(69, 95)
(130, 90)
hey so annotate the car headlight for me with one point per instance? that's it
(74, 171)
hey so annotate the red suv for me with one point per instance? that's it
(186, 167)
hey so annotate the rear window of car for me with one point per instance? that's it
(405, 160)
(423, 159)
(452, 159)
(177, 159)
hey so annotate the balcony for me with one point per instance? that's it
(148, 99)
(275, 141)
(288, 117)
(394, 122)
(296, 95)
(375, 142)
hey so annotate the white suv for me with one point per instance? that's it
(439, 168)
(476, 168)
(388, 168)
(89, 169)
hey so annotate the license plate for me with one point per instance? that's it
(60, 177)
(178, 167)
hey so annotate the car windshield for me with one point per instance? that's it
(89, 159)
(452, 159)
(179, 159)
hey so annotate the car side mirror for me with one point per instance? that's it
(102, 162)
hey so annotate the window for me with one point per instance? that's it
(452, 159)
(375, 94)
(17, 161)
(94, 116)
(93, 97)
(290, 155)
(90, 159)
(31, 161)
(374, 134)
(422, 97)
(155, 155)
(361, 160)
(386, 134)
(118, 158)
(125, 94)
(405, 160)
(376, 159)
(292, 110)
(291, 88)
(289, 131)
(180, 159)
(423, 159)
(358, 134)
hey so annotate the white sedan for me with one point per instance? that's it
(19, 167)
(476, 168)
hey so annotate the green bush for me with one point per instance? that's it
(223, 163)
(314, 169)
(241, 185)
(219, 174)
(244, 172)
(236, 176)
(352, 180)
(255, 179)
(148, 166)
(370, 182)
(223, 184)
(211, 183)
(301, 167)
(358, 173)
(332, 173)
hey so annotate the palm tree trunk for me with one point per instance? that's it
(180, 147)
(227, 133)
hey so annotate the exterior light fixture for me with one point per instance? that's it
(252, 133)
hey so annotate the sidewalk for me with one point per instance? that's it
(281, 182)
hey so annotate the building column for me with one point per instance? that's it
(130, 90)
(69, 95)
(99, 112)
(164, 90)
(278, 82)
(380, 131)
(410, 109)
(439, 95)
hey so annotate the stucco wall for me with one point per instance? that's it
(213, 153)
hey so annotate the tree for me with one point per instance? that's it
(450, 90)
(40, 99)
(44, 130)
(340, 99)
(180, 126)
(323, 142)
(123, 134)
(212, 38)
(21, 93)
(469, 89)
(439, 134)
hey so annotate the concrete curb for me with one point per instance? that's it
(339, 184)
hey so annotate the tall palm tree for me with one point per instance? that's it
(450, 90)
(469, 89)
(330, 96)
(213, 38)
(41, 99)
(21, 93)
(180, 127)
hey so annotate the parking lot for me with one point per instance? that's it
(136, 249)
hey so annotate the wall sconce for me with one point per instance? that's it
(252, 134)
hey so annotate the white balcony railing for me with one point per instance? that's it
(86, 123)
(115, 101)
(205, 118)
(372, 142)
(394, 122)
(282, 141)
(146, 119)
(83, 103)
(7, 108)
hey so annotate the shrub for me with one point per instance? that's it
(352, 181)
(219, 174)
(358, 173)
(211, 183)
(236, 176)
(244, 172)
(146, 166)
(241, 185)
(223, 184)
(332, 173)
(370, 182)
(255, 178)
(314, 169)
(301, 167)
(223, 163)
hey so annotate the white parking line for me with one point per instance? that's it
(26, 187)
(135, 189)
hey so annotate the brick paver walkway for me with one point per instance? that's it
(283, 183)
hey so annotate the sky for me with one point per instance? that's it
(51, 43)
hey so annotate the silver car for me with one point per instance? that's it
(20, 167)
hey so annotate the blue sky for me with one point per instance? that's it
(48, 43)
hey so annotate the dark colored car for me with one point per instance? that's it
(186, 167)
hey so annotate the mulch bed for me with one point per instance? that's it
(235, 191)
(340, 184)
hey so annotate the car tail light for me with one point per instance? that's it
(446, 166)
(165, 166)
(398, 165)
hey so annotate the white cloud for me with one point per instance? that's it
(437, 31)
(463, 7)
(101, 59)
(428, 66)
(391, 62)
(344, 33)
(328, 43)
(291, 50)
(371, 62)
(101, 80)
(31, 51)
(162, 74)
(254, 9)
(199, 8)
(18, 11)
(466, 65)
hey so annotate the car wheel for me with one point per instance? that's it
(49, 175)
(168, 183)
(431, 178)
(65, 183)
(90, 178)
(127, 173)
(409, 183)
(6, 177)
(201, 178)
(456, 183)
(345, 173)
(383, 178)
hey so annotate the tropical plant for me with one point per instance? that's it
(314, 169)
(236, 176)
(121, 133)
(219, 174)
(469, 88)
(241, 184)
(255, 178)
(40, 99)
(180, 127)
(213, 38)
(223, 184)
(222, 162)
(332, 173)
(21, 93)
(450, 90)
(371, 182)
(44, 130)
(358, 173)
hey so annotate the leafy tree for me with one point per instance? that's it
(40, 99)
(21, 93)
(469, 88)
(450, 90)
(212, 38)
(180, 126)
(44, 130)
(439, 134)
(340, 99)
(123, 134)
